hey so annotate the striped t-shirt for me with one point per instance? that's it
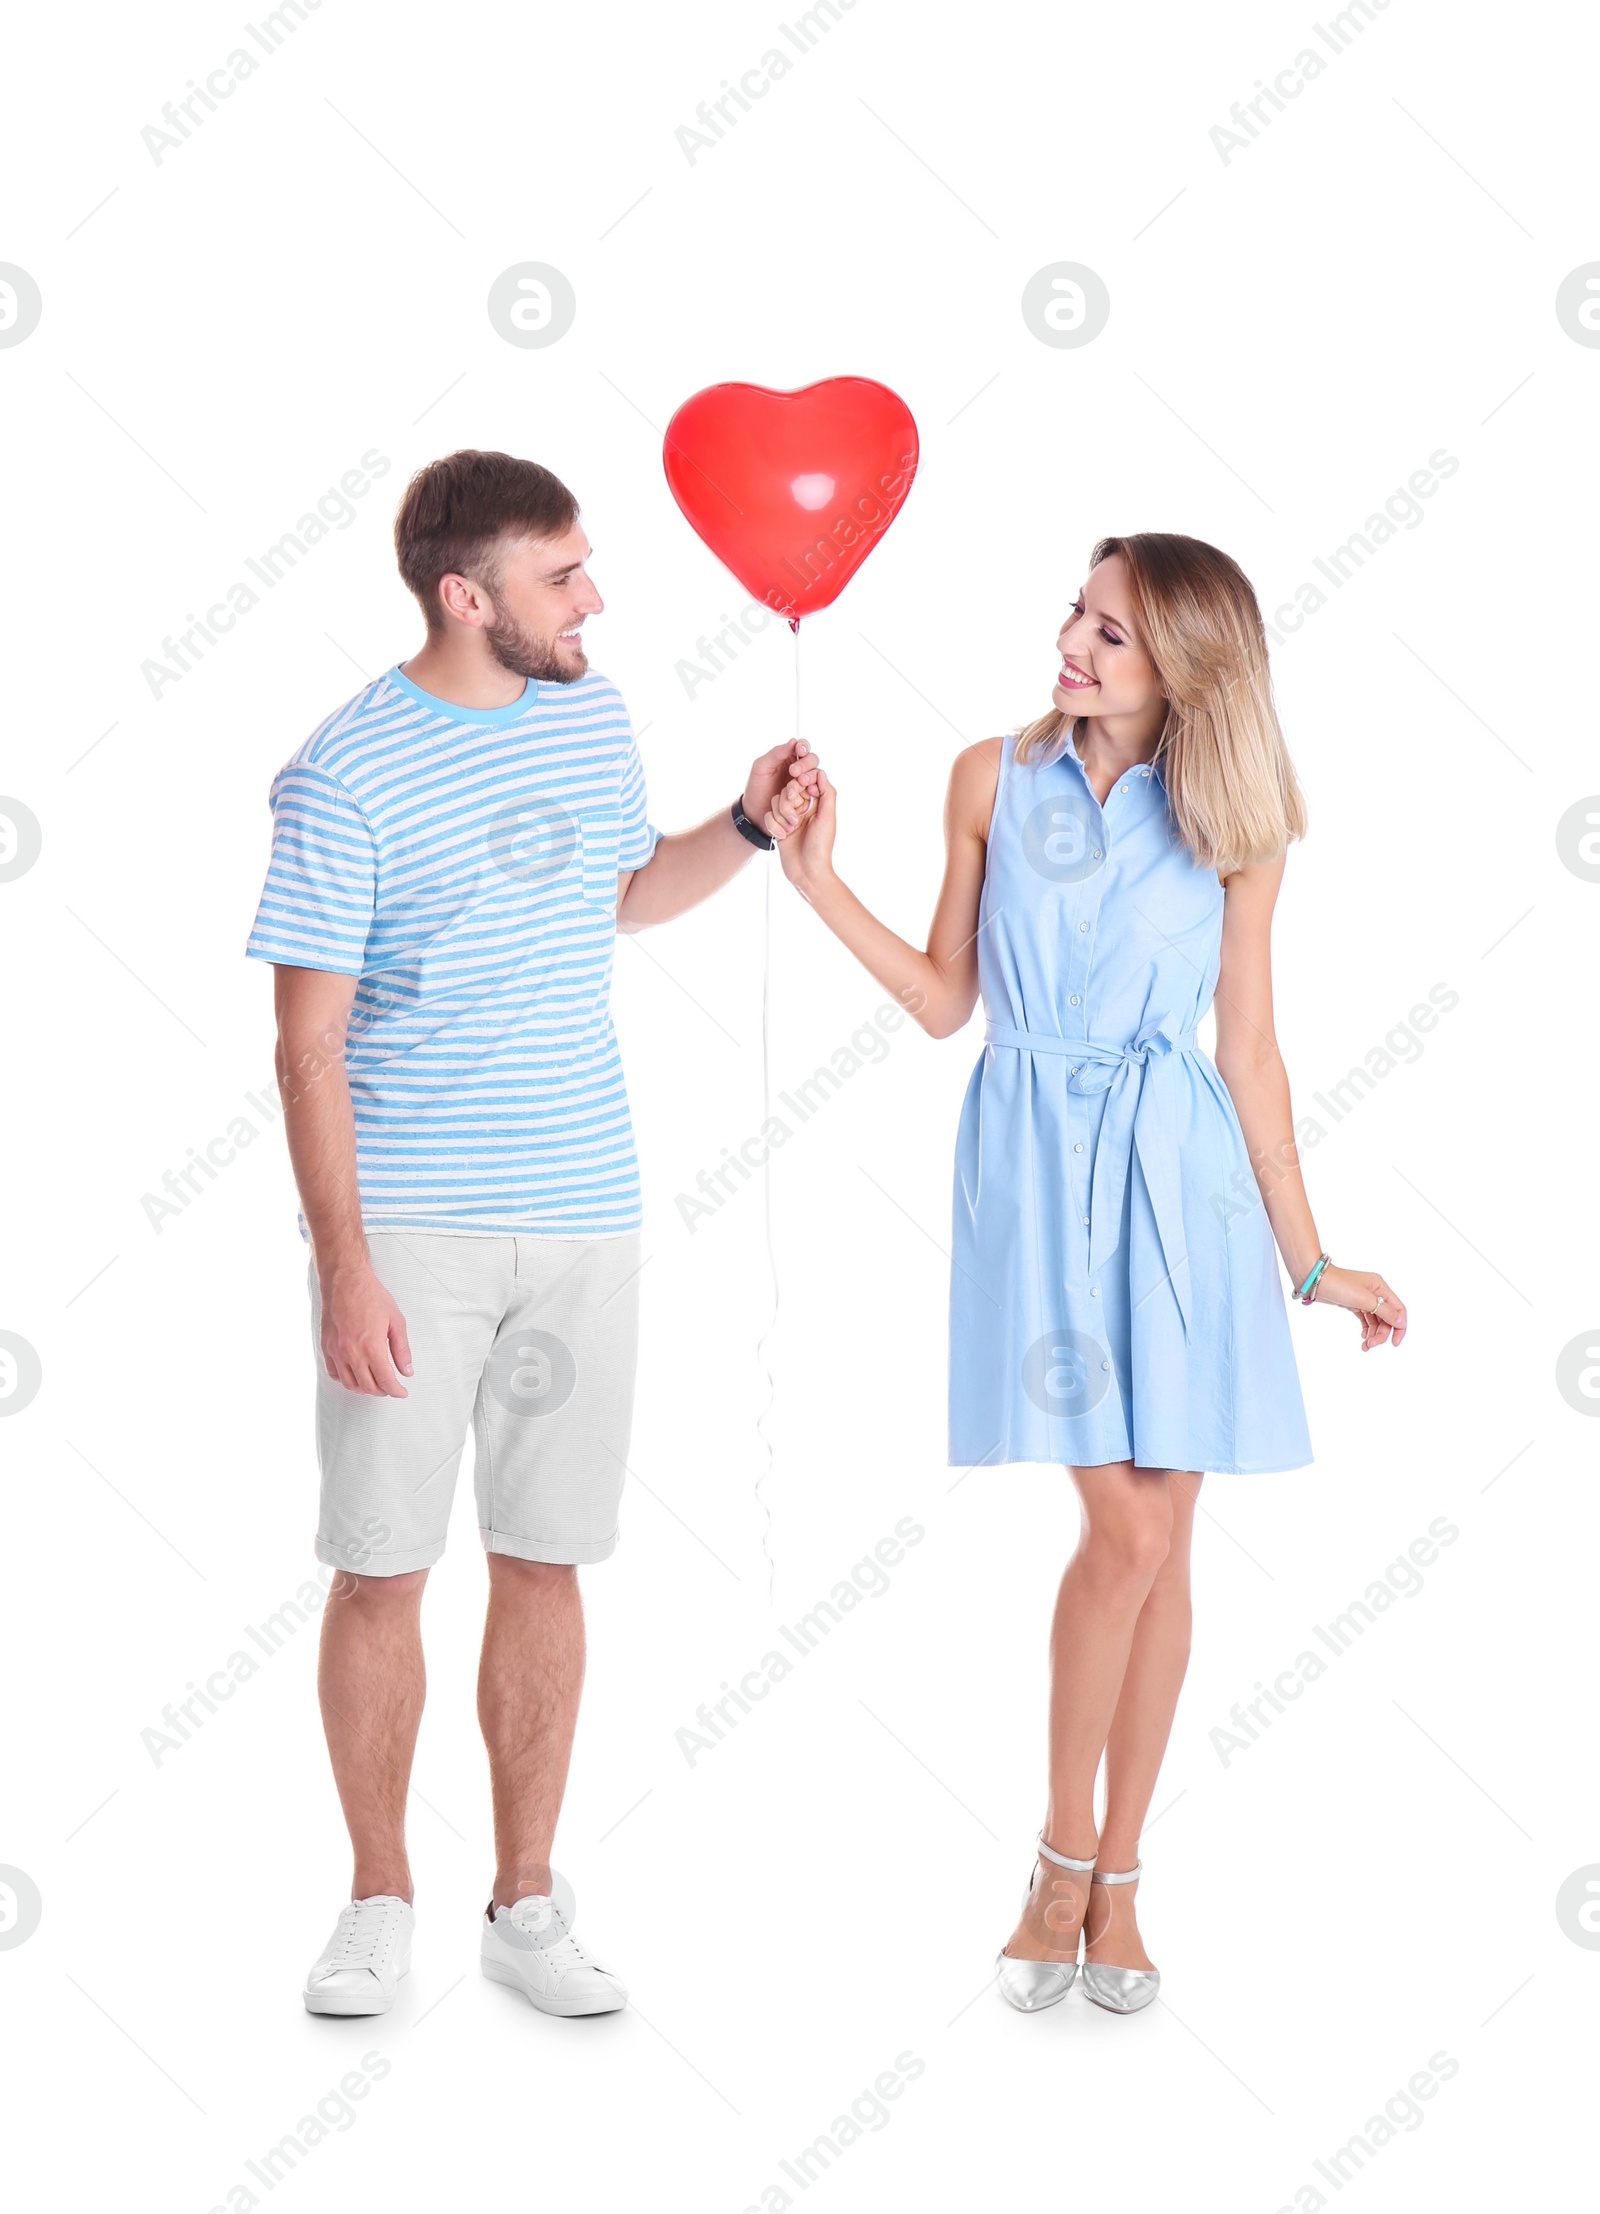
(462, 863)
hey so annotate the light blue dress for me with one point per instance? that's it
(1116, 1292)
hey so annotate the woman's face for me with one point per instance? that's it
(1105, 670)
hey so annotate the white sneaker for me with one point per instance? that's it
(368, 1953)
(530, 1947)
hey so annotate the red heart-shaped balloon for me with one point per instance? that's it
(792, 490)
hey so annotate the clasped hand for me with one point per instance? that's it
(800, 814)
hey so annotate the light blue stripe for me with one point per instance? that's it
(484, 1072)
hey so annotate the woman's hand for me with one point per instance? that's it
(1381, 1311)
(804, 826)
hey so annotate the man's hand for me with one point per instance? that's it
(364, 1344)
(791, 763)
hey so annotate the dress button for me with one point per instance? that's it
(1086, 1222)
(1098, 854)
(1083, 926)
(1072, 999)
(1105, 1364)
(1094, 1291)
(1078, 1148)
(1074, 1070)
(1124, 790)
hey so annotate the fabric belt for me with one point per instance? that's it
(1138, 1118)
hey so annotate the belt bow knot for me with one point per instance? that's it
(1138, 1119)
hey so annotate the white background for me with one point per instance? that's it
(1292, 333)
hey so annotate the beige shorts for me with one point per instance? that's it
(534, 1341)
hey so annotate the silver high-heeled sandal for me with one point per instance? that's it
(1029, 1985)
(1121, 1990)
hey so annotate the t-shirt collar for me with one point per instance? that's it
(513, 712)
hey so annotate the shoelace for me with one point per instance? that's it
(362, 1932)
(566, 1952)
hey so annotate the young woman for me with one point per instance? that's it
(1115, 1305)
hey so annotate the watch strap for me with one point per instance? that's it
(747, 829)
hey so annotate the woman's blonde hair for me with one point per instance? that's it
(1231, 786)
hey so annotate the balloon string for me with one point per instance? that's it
(765, 1366)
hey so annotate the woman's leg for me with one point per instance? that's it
(1127, 1516)
(1139, 1732)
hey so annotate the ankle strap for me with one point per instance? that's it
(1060, 1859)
(1128, 1875)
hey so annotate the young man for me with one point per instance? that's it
(453, 852)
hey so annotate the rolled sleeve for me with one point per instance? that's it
(316, 906)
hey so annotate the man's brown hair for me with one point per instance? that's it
(458, 511)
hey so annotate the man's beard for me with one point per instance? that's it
(517, 649)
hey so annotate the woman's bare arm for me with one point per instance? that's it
(938, 984)
(1251, 1066)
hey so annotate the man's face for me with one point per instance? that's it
(532, 614)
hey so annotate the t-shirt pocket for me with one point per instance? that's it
(601, 831)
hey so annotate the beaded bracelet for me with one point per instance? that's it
(1308, 1289)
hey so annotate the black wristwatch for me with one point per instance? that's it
(747, 829)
